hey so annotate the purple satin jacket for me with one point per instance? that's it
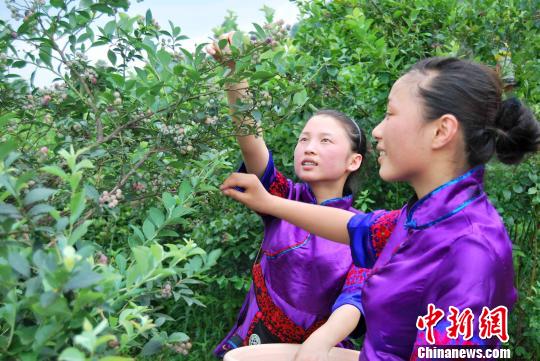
(304, 273)
(449, 248)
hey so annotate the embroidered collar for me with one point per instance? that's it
(446, 200)
(338, 202)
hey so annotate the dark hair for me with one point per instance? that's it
(472, 92)
(358, 145)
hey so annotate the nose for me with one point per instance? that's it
(377, 131)
(310, 148)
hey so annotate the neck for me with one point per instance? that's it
(436, 177)
(324, 191)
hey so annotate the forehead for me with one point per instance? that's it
(323, 123)
(405, 88)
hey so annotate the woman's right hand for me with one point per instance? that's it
(219, 54)
(253, 195)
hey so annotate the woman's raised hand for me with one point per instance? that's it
(219, 54)
(254, 196)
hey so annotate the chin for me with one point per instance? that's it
(306, 178)
(387, 175)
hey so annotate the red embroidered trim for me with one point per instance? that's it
(356, 276)
(273, 317)
(280, 186)
(381, 230)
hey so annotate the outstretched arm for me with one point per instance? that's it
(327, 222)
(253, 147)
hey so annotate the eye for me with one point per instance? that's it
(302, 139)
(326, 140)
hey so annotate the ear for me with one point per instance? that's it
(355, 162)
(446, 131)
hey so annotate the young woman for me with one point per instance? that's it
(449, 251)
(283, 305)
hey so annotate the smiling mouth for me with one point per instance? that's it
(309, 163)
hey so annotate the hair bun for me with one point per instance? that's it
(518, 131)
(508, 114)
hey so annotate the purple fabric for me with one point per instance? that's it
(304, 273)
(449, 248)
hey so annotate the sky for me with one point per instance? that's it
(195, 17)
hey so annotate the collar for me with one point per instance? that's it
(338, 202)
(446, 200)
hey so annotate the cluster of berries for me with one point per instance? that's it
(166, 290)
(44, 96)
(182, 347)
(102, 259)
(111, 199)
(276, 31)
(139, 187)
(266, 99)
(117, 98)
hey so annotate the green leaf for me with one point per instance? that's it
(19, 64)
(180, 211)
(178, 337)
(19, 264)
(86, 340)
(148, 17)
(141, 260)
(77, 206)
(137, 232)
(148, 229)
(222, 43)
(45, 332)
(8, 312)
(79, 232)
(300, 98)
(260, 32)
(109, 28)
(9, 210)
(112, 57)
(83, 278)
(168, 200)
(55, 170)
(167, 233)
(212, 257)
(157, 252)
(7, 182)
(40, 209)
(71, 354)
(262, 75)
(184, 191)
(7, 147)
(45, 55)
(116, 358)
(151, 347)
(38, 194)
(156, 216)
(58, 4)
(74, 180)
(85, 163)
(238, 39)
